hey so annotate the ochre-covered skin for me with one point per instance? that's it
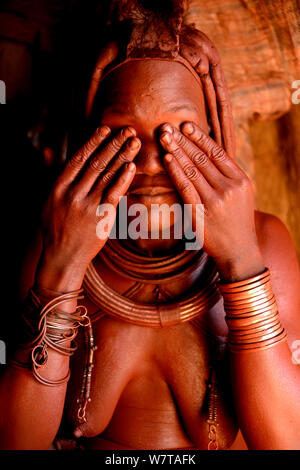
(149, 385)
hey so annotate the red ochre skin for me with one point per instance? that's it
(148, 384)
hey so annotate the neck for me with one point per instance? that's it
(152, 247)
(123, 268)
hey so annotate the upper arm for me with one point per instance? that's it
(280, 257)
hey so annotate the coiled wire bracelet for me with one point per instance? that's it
(56, 329)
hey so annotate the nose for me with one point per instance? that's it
(149, 160)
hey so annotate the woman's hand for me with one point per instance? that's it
(69, 219)
(203, 173)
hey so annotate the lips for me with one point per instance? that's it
(151, 191)
(151, 185)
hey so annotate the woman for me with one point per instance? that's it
(162, 376)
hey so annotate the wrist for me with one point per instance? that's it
(241, 267)
(57, 274)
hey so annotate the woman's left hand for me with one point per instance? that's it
(204, 174)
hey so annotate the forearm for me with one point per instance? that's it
(266, 383)
(266, 386)
(31, 412)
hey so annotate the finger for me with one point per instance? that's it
(191, 171)
(180, 146)
(182, 183)
(126, 155)
(77, 162)
(191, 197)
(99, 162)
(216, 153)
(121, 186)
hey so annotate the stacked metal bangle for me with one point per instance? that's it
(252, 314)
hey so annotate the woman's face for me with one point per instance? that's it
(144, 95)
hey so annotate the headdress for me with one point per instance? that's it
(143, 29)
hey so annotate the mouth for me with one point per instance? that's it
(151, 190)
(145, 185)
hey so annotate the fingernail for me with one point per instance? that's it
(188, 128)
(131, 130)
(168, 157)
(103, 130)
(167, 128)
(134, 143)
(128, 132)
(131, 166)
(166, 138)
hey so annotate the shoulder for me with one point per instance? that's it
(276, 243)
(280, 257)
(272, 231)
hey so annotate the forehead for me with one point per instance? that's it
(154, 85)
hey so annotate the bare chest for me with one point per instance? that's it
(151, 383)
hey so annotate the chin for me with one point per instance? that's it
(160, 215)
(148, 200)
(157, 247)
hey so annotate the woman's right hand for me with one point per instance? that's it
(69, 217)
